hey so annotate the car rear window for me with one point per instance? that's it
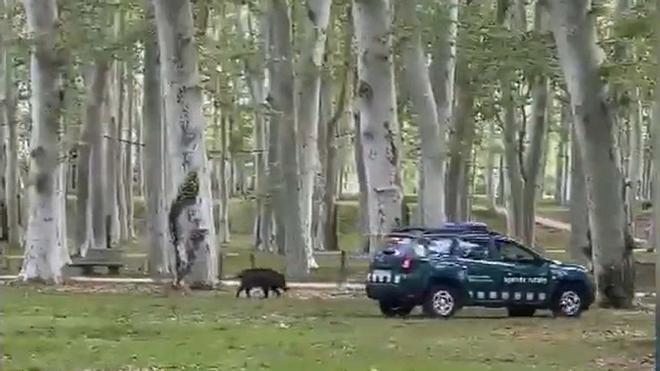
(404, 246)
(441, 246)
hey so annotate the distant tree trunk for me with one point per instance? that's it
(297, 261)
(307, 97)
(575, 35)
(579, 245)
(190, 210)
(112, 203)
(443, 71)
(254, 67)
(432, 131)
(223, 184)
(489, 176)
(460, 148)
(155, 157)
(10, 146)
(96, 83)
(326, 226)
(561, 172)
(273, 205)
(99, 78)
(44, 253)
(128, 154)
(379, 126)
(534, 159)
(513, 185)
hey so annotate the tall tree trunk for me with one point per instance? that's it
(443, 71)
(223, 182)
(432, 131)
(282, 95)
(155, 159)
(489, 176)
(513, 185)
(534, 159)
(99, 80)
(190, 208)
(10, 145)
(128, 153)
(562, 161)
(460, 148)
(575, 35)
(580, 245)
(96, 83)
(307, 97)
(274, 208)
(44, 253)
(379, 126)
(256, 81)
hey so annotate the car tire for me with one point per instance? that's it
(442, 301)
(391, 309)
(568, 301)
(521, 311)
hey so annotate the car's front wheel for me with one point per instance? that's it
(521, 311)
(391, 309)
(441, 301)
(568, 301)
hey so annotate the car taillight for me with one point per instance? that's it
(406, 264)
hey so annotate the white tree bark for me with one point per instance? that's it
(379, 126)
(579, 56)
(443, 71)
(155, 159)
(282, 96)
(432, 132)
(44, 253)
(190, 211)
(307, 95)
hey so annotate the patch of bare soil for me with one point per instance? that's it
(630, 364)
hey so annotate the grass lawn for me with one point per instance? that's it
(44, 329)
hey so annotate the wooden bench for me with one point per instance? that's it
(88, 266)
(109, 258)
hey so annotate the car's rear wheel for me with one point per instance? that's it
(521, 311)
(568, 301)
(442, 301)
(392, 309)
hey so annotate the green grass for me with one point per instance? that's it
(47, 330)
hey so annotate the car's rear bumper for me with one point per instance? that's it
(391, 292)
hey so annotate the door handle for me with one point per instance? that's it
(509, 273)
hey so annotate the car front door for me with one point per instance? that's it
(484, 277)
(526, 277)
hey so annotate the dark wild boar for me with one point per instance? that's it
(265, 278)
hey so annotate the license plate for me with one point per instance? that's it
(379, 275)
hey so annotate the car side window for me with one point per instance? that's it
(473, 250)
(511, 252)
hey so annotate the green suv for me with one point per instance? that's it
(445, 271)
